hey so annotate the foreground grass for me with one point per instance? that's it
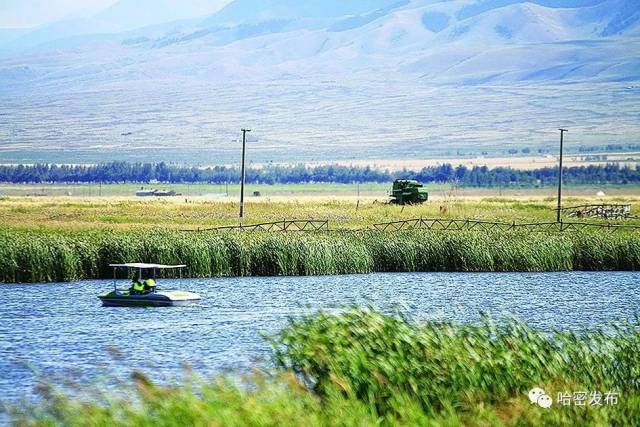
(363, 368)
(57, 256)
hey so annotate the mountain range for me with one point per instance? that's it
(148, 46)
(485, 40)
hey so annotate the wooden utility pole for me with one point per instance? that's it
(242, 170)
(562, 131)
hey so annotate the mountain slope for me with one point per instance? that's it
(245, 11)
(478, 7)
(399, 77)
(131, 14)
(421, 37)
(8, 35)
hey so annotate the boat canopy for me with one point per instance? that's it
(147, 266)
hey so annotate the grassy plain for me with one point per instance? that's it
(343, 205)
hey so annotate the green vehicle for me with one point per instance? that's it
(408, 192)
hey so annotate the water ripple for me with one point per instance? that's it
(61, 331)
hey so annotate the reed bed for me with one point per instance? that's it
(364, 368)
(37, 256)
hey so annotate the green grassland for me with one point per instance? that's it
(365, 190)
(363, 368)
(57, 238)
(212, 191)
(343, 205)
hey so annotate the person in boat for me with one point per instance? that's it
(137, 287)
(149, 284)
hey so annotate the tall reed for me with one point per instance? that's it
(375, 358)
(38, 256)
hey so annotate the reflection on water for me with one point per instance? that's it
(61, 331)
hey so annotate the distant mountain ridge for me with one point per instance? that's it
(321, 78)
(132, 14)
(243, 11)
(124, 15)
(482, 6)
(477, 41)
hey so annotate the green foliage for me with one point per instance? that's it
(363, 368)
(375, 358)
(43, 256)
(476, 176)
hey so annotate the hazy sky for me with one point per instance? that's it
(29, 13)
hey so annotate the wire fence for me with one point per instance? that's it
(444, 224)
(435, 224)
(284, 225)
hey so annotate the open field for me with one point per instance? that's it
(322, 191)
(210, 192)
(208, 205)
(404, 119)
(362, 368)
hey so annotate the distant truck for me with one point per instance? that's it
(145, 193)
(157, 193)
(408, 192)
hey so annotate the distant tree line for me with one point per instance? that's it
(482, 176)
(477, 176)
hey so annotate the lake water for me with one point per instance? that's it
(61, 332)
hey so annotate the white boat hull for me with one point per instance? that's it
(152, 299)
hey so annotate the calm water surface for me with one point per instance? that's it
(60, 331)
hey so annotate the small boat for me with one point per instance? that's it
(151, 298)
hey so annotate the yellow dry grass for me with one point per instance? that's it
(341, 210)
